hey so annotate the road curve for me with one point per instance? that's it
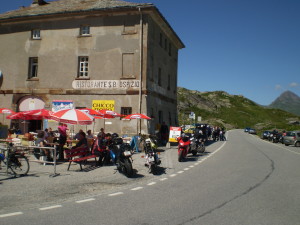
(241, 181)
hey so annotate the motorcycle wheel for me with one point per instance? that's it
(180, 158)
(128, 168)
(194, 152)
(202, 148)
(152, 168)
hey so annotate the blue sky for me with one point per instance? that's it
(243, 47)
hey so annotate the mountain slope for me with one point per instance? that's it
(230, 111)
(287, 101)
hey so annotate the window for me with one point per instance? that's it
(129, 25)
(36, 34)
(166, 44)
(159, 77)
(170, 118)
(33, 67)
(150, 68)
(126, 111)
(160, 117)
(152, 113)
(85, 30)
(170, 49)
(175, 84)
(160, 39)
(169, 81)
(83, 67)
(128, 65)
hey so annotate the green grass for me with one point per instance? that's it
(234, 111)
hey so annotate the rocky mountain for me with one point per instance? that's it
(287, 101)
(231, 111)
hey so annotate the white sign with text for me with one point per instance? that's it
(105, 84)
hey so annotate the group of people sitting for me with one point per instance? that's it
(99, 145)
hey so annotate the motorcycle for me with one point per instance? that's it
(123, 157)
(151, 156)
(197, 145)
(216, 135)
(277, 138)
(183, 147)
(194, 145)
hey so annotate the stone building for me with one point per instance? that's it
(90, 53)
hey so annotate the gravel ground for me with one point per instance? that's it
(38, 188)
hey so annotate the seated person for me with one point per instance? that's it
(77, 136)
(101, 133)
(89, 135)
(40, 141)
(82, 141)
(46, 134)
(100, 148)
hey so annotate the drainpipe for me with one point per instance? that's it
(141, 67)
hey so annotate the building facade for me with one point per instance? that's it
(94, 53)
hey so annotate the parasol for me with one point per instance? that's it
(73, 116)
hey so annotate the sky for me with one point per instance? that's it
(243, 47)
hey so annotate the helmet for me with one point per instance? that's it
(184, 137)
(118, 141)
(114, 135)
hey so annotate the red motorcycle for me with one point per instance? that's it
(183, 147)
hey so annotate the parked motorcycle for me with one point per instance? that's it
(216, 135)
(194, 145)
(123, 155)
(197, 144)
(151, 156)
(278, 137)
(183, 147)
(201, 144)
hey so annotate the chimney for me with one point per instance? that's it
(39, 2)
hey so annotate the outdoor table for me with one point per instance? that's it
(70, 142)
(54, 156)
(5, 140)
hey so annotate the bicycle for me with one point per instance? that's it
(14, 160)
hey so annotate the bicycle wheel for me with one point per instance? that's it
(19, 165)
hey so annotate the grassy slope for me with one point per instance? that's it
(232, 111)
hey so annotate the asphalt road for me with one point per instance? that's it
(241, 181)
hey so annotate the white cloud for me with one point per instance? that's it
(294, 84)
(278, 87)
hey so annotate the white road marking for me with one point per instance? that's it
(134, 189)
(115, 194)
(11, 214)
(285, 148)
(279, 146)
(137, 188)
(50, 207)
(86, 200)
(292, 151)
